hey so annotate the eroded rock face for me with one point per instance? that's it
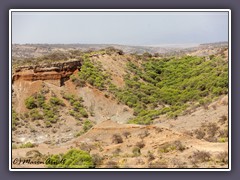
(55, 73)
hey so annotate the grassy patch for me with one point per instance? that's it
(27, 145)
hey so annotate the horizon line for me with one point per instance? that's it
(149, 45)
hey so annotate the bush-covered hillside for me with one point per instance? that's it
(39, 108)
(170, 85)
(173, 83)
(155, 86)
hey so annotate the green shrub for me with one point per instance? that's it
(77, 105)
(93, 74)
(35, 114)
(56, 101)
(72, 113)
(68, 96)
(49, 113)
(72, 159)
(30, 102)
(83, 112)
(46, 106)
(40, 100)
(222, 139)
(87, 125)
(48, 124)
(52, 120)
(136, 151)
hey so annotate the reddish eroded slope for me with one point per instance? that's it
(57, 73)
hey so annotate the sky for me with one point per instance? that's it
(127, 28)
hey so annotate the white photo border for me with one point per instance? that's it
(119, 10)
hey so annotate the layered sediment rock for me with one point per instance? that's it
(55, 73)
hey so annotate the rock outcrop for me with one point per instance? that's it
(55, 73)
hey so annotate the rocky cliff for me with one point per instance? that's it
(55, 73)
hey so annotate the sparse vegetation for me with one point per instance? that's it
(27, 145)
(200, 156)
(210, 132)
(40, 109)
(78, 110)
(199, 133)
(117, 152)
(14, 146)
(15, 120)
(159, 164)
(112, 50)
(223, 133)
(179, 146)
(222, 157)
(212, 129)
(97, 160)
(223, 119)
(35, 114)
(56, 101)
(177, 163)
(112, 164)
(150, 156)
(171, 146)
(85, 147)
(86, 126)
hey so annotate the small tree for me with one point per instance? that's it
(87, 125)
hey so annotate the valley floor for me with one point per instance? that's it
(169, 143)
